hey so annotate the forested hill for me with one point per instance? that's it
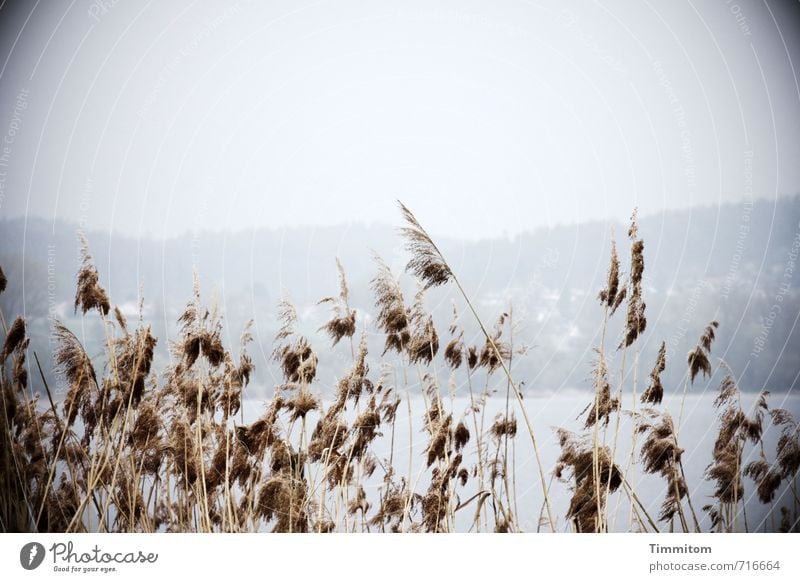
(735, 263)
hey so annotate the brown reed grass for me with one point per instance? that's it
(132, 448)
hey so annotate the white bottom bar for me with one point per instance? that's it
(351, 557)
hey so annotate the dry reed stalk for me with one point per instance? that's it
(735, 430)
(698, 361)
(635, 321)
(430, 266)
(90, 294)
(661, 454)
(76, 366)
(15, 510)
(788, 461)
(610, 297)
(343, 320)
(577, 455)
(652, 395)
(507, 411)
(167, 454)
(455, 355)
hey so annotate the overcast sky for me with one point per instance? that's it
(484, 117)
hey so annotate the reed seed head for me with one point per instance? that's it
(608, 295)
(427, 263)
(392, 316)
(655, 391)
(14, 338)
(90, 295)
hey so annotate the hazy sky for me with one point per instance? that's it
(484, 117)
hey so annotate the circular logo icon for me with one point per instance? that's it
(31, 555)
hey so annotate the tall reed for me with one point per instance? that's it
(131, 447)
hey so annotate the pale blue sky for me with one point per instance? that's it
(484, 117)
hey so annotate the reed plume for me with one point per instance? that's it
(454, 351)
(767, 478)
(343, 322)
(90, 295)
(297, 360)
(661, 454)
(130, 448)
(424, 342)
(426, 262)
(603, 404)
(495, 352)
(74, 364)
(14, 338)
(590, 487)
(735, 429)
(19, 371)
(698, 357)
(392, 315)
(788, 448)
(635, 322)
(608, 295)
(655, 390)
